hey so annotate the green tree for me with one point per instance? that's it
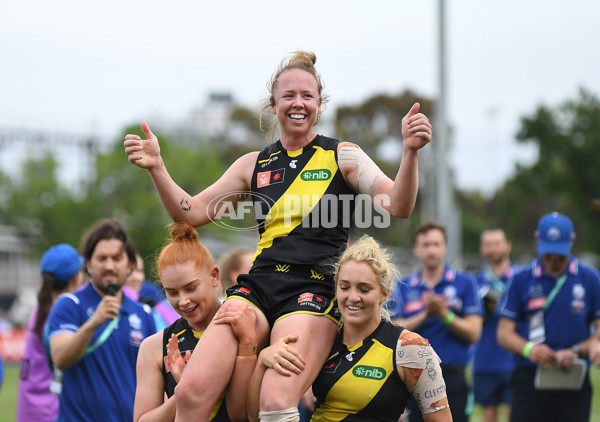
(563, 178)
(125, 192)
(43, 211)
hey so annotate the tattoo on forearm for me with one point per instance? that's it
(185, 205)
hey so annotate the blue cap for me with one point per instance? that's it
(555, 232)
(62, 261)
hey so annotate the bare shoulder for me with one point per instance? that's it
(244, 167)
(151, 349)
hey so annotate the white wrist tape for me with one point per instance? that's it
(414, 352)
(368, 174)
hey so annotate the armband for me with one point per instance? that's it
(449, 318)
(527, 349)
(368, 175)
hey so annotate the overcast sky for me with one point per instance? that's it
(95, 67)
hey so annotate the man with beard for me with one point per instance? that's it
(95, 332)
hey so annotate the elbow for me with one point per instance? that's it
(401, 211)
(475, 336)
(61, 362)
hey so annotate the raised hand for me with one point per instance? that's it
(175, 362)
(416, 128)
(144, 153)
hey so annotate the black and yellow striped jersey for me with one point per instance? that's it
(361, 382)
(304, 209)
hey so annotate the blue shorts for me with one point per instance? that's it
(284, 289)
(491, 389)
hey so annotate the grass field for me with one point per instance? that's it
(8, 395)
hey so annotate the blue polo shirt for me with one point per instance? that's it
(489, 356)
(101, 386)
(568, 319)
(461, 290)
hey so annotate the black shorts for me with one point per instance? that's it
(532, 405)
(284, 289)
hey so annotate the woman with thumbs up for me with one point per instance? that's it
(303, 186)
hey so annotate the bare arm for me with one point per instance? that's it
(181, 206)
(509, 339)
(242, 319)
(149, 394)
(397, 197)
(67, 349)
(594, 345)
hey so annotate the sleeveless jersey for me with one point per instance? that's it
(187, 340)
(304, 209)
(361, 382)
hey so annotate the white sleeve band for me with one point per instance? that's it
(368, 174)
(430, 387)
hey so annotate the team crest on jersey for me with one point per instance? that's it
(135, 322)
(266, 178)
(136, 337)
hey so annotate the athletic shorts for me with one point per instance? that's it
(491, 389)
(532, 405)
(283, 289)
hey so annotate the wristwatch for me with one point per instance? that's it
(577, 349)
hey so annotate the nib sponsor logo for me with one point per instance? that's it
(369, 372)
(316, 175)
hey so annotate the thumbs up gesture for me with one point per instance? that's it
(144, 153)
(416, 129)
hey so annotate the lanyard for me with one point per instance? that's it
(555, 290)
(495, 281)
(113, 325)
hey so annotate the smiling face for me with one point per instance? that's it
(191, 292)
(359, 296)
(297, 104)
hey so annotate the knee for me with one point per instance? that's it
(187, 399)
(272, 401)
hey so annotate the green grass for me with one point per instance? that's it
(8, 392)
(8, 395)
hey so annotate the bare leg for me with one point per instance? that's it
(209, 369)
(315, 339)
(490, 413)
